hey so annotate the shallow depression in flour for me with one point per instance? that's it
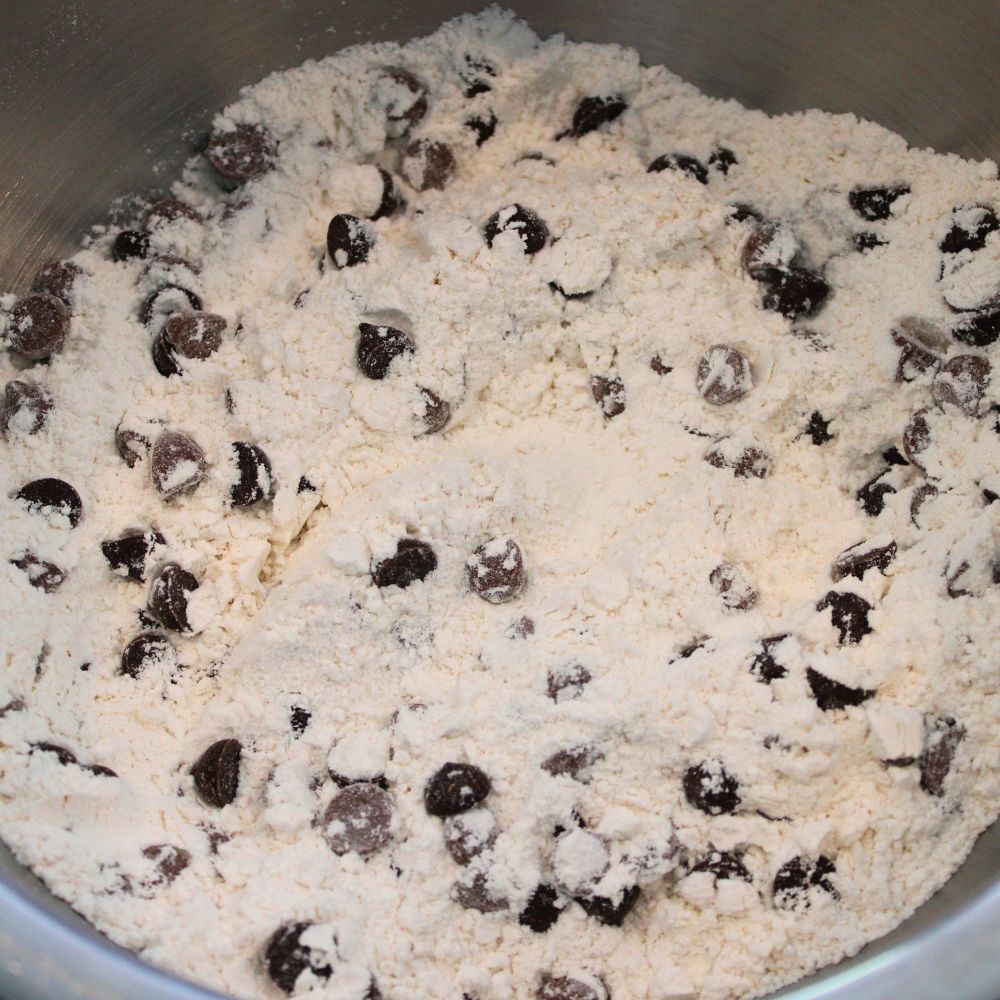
(510, 526)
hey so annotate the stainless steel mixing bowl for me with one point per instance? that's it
(102, 98)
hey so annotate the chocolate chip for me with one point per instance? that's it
(818, 429)
(722, 159)
(349, 240)
(542, 910)
(168, 597)
(941, 739)
(403, 97)
(875, 203)
(299, 719)
(892, 456)
(657, 365)
(483, 125)
(255, 481)
(414, 560)
(469, 834)
(127, 556)
(437, 412)
(723, 375)
(609, 393)
(858, 559)
(750, 462)
(132, 446)
(765, 666)
(170, 862)
(574, 762)
(216, 773)
(428, 164)
(923, 493)
(177, 464)
(164, 302)
(708, 786)
(961, 384)
(359, 819)
(392, 201)
(521, 628)
(980, 329)
(872, 495)
(147, 649)
(64, 755)
(378, 347)
(47, 496)
(796, 877)
(57, 278)
(286, 958)
(455, 788)
(495, 570)
(195, 335)
(864, 242)
(473, 891)
(734, 587)
(39, 324)
(169, 210)
(970, 225)
(42, 575)
(165, 357)
(831, 695)
(565, 988)
(593, 112)
(680, 161)
(916, 340)
(723, 865)
(26, 406)
(608, 911)
(916, 437)
(770, 245)
(849, 614)
(305, 486)
(794, 291)
(568, 681)
(475, 76)
(532, 230)
(240, 154)
(740, 212)
(130, 244)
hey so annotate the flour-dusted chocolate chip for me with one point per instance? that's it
(177, 464)
(875, 203)
(170, 862)
(525, 223)
(568, 988)
(130, 244)
(745, 462)
(877, 554)
(818, 429)
(609, 394)
(962, 384)
(942, 735)
(413, 560)
(733, 584)
(659, 366)
(469, 834)
(359, 819)
(568, 681)
(483, 125)
(131, 445)
(723, 865)
(849, 615)
(216, 773)
(919, 343)
(392, 201)
(286, 958)
(722, 160)
(129, 554)
(979, 329)
(611, 911)
(831, 695)
(436, 411)
(476, 75)
(456, 788)
(299, 719)
(521, 628)
(968, 228)
(495, 570)
(917, 437)
(543, 909)
(242, 153)
(349, 240)
(52, 497)
(573, 762)
(64, 755)
(378, 347)
(723, 375)
(682, 162)
(765, 666)
(146, 650)
(38, 327)
(592, 113)
(164, 356)
(428, 165)
(872, 495)
(474, 891)
(740, 212)
(796, 878)
(169, 595)
(163, 302)
(254, 478)
(305, 485)
(770, 245)
(169, 210)
(42, 575)
(58, 278)
(26, 407)
(794, 291)
(864, 242)
(709, 787)
(194, 335)
(923, 493)
(402, 98)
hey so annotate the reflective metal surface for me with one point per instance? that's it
(103, 98)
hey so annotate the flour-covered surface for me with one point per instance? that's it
(546, 580)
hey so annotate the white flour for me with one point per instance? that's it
(620, 520)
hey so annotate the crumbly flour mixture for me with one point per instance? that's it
(509, 527)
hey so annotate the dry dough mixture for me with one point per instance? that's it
(509, 527)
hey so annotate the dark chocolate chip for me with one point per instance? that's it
(286, 958)
(64, 755)
(979, 329)
(165, 301)
(359, 819)
(469, 834)
(127, 555)
(495, 570)
(484, 126)
(680, 161)
(875, 203)
(542, 910)
(593, 112)
(177, 464)
(568, 681)
(794, 291)
(169, 210)
(44, 496)
(893, 456)
(765, 666)
(750, 463)
(255, 481)
(473, 891)
(305, 486)
(734, 587)
(795, 878)
(722, 159)
(57, 278)
(165, 357)
(532, 230)
(145, 650)
(708, 786)
(916, 437)
(349, 240)
(130, 244)
(962, 383)
(216, 773)
(740, 212)
(194, 335)
(565, 988)
(658, 366)
(404, 99)
(521, 629)
(170, 862)
(243, 153)
(476, 75)
(770, 245)
(927, 491)
(39, 325)
(858, 559)
(455, 788)
(413, 560)
(970, 225)
(818, 429)
(378, 347)
(872, 495)
(941, 739)
(392, 201)
(574, 762)
(609, 393)
(42, 575)
(168, 597)
(608, 911)
(849, 614)
(723, 865)
(428, 164)
(916, 357)
(26, 406)
(437, 412)
(723, 375)
(831, 695)
(132, 446)
(299, 719)
(864, 242)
